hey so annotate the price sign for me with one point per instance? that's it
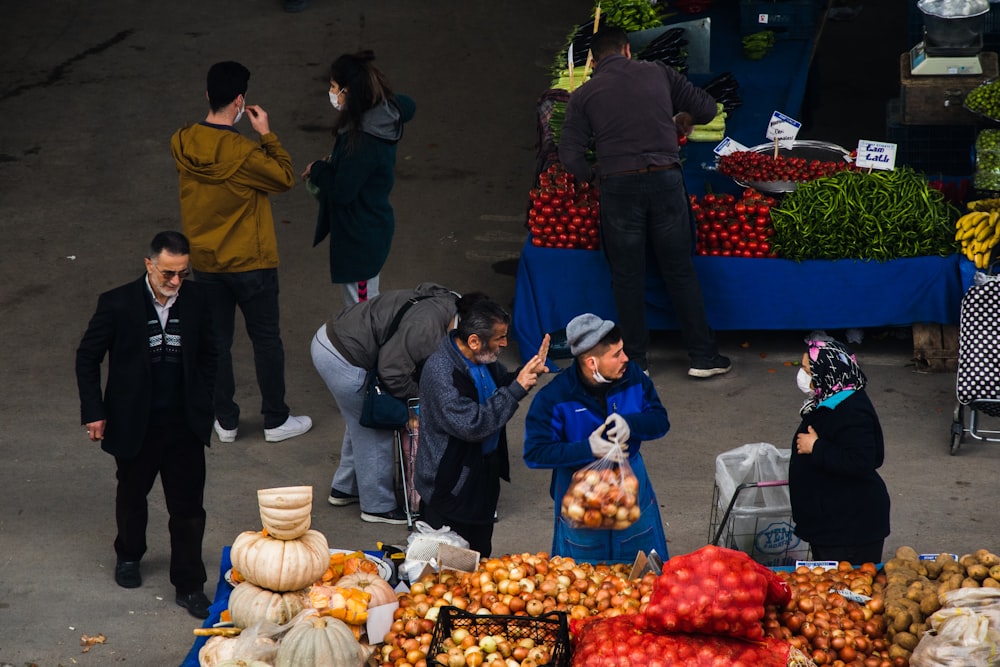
(876, 155)
(727, 146)
(825, 564)
(782, 128)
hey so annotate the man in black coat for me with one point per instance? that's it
(156, 412)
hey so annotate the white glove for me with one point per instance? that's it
(601, 446)
(617, 429)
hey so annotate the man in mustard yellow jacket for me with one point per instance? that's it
(225, 179)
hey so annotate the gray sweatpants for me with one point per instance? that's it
(367, 456)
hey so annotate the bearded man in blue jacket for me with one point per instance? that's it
(601, 397)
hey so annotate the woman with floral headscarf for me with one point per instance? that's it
(840, 504)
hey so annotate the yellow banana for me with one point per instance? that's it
(968, 223)
(983, 230)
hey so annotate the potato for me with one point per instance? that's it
(949, 585)
(915, 591)
(901, 620)
(907, 553)
(897, 651)
(969, 582)
(966, 560)
(978, 572)
(929, 604)
(995, 572)
(990, 582)
(933, 568)
(951, 567)
(987, 558)
(944, 558)
(918, 629)
(905, 640)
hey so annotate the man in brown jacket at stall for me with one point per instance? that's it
(225, 179)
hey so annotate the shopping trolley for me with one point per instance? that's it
(977, 384)
(406, 450)
(765, 533)
(751, 506)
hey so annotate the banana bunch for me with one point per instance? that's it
(978, 232)
(984, 205)
(757, 45)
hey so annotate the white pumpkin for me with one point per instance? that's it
(320, 641)
(249, 604)
(286, 512)
(280, 565)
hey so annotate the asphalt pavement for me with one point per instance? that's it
(89, 96)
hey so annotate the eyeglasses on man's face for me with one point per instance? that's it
(170, 275)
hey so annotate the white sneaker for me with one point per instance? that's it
(225, 434)
(292, 427)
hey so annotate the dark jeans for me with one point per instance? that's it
(174, 453)
(478, 535)
(856, 554)
(648, 214)
(256, 294)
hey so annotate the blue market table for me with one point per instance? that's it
(555, 285)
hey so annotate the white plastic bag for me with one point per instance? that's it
(758, 462)
(958, 636)
(422, 547)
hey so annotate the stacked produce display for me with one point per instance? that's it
(987, 176)
(306, 604)
(564, 213)
(978, 231)
(296, 602)
(731, 227)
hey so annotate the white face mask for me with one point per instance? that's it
(596, 375)
(335, 100)
(239, 114)
(804, 381)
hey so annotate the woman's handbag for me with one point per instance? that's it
(382, 410)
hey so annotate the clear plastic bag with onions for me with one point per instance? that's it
(604, 494)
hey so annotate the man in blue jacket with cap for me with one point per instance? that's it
(600, 398)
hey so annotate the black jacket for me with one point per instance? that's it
(118, 329)
(838, 497)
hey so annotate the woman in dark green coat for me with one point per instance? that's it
(353, 183)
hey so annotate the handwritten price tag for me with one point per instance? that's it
(876, 155)
(727, 146)
(782, 128)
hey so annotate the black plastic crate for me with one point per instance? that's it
(932, 149)
(788, 19)
(551, 629)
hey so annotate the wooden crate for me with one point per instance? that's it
(938, 100)
(935, 347)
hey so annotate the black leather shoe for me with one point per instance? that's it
(196, 603)
(127, 574)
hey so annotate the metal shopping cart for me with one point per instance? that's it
(751, 513)
(977, 384)
(406, 451)
(766, 534)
